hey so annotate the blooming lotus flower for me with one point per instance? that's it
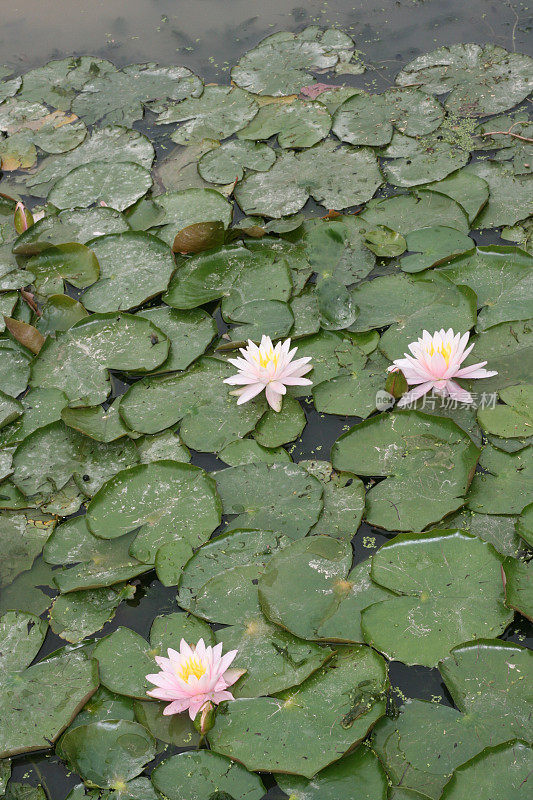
(193, 677)
(434, 362)
(269, 368)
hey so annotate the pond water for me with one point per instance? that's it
(208, 37)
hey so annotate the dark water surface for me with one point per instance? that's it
(208, 36)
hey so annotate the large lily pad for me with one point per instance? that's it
(213, 775)
(417, 161)
(509, 194)
(330, 597)
(163, 499)
(300, 123)
(116, 184)
(77, 361)
(71, 225)
(451, 590)
(134, 267)
(518, 587)
(77, 615)
(428, 462)
(410, 212)
(278, 497)
(506, 483)
(57, 82)
(499, 772)
(217, 114)
(467, 189)
(335, 176)
(481, 80)
(299, 732)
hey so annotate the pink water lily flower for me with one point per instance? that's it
(434, 362)
(194, 676)
(270, 369)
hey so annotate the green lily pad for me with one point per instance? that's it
(117, 184)
(299, 732)
(466, 189)
(428, 463)
(21, 635)
(40, 701)
(498, 530)
(366, 119)
(278, 497)
(507, 348)
(124, 659)
(410, 304)
(162, 446)
(422, 625)
(189, 333)
(385, 242)
(354, 393)
(506, 483)
(417, 161)
(176, 729)
(89, 562)
(524, 524)
(330, 597)
(10, 409)
(518, 591)
(498, 772)
(248, 451)
(57, 82)
(356, 775)
(217, 114)
(23, 537)
(162, 499)
(102, 425)
(170, 560)
(405, 213)
(275, 429)
(107, 754)
(78, 360)
(513, 420)
(77, 615)
(509, 198)
(335, 248)
(190, 206)
(26, 591)
(119, 96)
(14, 368)
(344, 501)
(112, 143)
(134, 267)
(72, 262)
(71, 225)
(431, 246)
(295, 55)
(335, 176)
(298, 124)
(226, 164)
(45, 461)
(481, 80)
(41, 407)
(214, 775)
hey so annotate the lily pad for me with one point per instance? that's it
(102, 425)
(41, 407)
(57, 82)
(71, 225)
(330, 597)
(134, 267)
(410, 212)
(275, 429)
(107, 754)
(72, 262)
(513, 420)
(509, 194)
(484, 772)
(298, 124)
(344, 501)
(23, 537)
(213, 775)
(21, 635)
(422, 625)
(431, 246)
(189, 333)
(505, 485)
(524, 524)
(278, 497)
(163, 499)
(481, 80)
(217, 114)
(124, 659)
(117, 184)
(226, 164)
(77, 615)
(248, 451)
(335, 176)
(417, 161)
(189, 206)
(14, 368)
(300, 734)
(428, 463)
(518, 591)
(176, 729)
(78, 360)
(466, 189)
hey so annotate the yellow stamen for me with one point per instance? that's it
(193, 666)
(265, 357)
(444, 351)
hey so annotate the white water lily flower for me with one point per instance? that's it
(434, 362)
(270, 369)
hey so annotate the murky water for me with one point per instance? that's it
(208, 36)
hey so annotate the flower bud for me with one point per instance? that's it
(205, 719)
(23, 218)
(396, 384)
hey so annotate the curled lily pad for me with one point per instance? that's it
(420, 455)
(217, 114)
(77, 361)
(300, 734)
(134, 267)
(426, 621)
(117, 184)
(163, 498)
(107, 753)
(214, 775)
(481, 80)
(73, 262)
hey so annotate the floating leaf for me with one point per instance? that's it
(226, 164)
(117, 184)
(509, 195)
(518, 591)
(299, 732)
(423, 624)
(73, 262)
(466, 189)
(505, 484)
(515, 419)
(41, 407)
(78, 360)
(248, 451)
(385, 242)
(496, 771)
(301, 123)
(429, 463)
(524, 524)
(77, 615)
(23, 538)
(198, 237)
(217, 114)
(344, 501)
(214, 775)
(57, 82)
(72, 225)
(102, 425)
(189, 333)
(190, 206)
(417, 161)
(124, 659)
(275, 429)
(431, 246)
(176, 729)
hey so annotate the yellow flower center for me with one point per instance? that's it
(267, 356)
(193, 666)
(444, 351)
